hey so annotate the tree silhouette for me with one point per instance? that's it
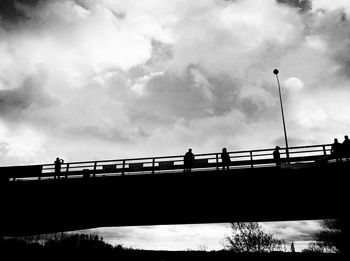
(332, 238)
(251, 237)
(77, 241)
(292, 248)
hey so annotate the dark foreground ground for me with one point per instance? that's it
(163, 256)
(10, 251)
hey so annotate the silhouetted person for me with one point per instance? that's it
(58, 162)
(336, 150)
(277, 156)
(225, 157)
(346, 147)
(188, 161)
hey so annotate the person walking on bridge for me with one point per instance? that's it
(58, 162)
(346, 147)
(226, 160)
(277, 156)
(188, 161)
(336, 150)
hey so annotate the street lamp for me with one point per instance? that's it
(275, 71)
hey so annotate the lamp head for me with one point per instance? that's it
(275, 71)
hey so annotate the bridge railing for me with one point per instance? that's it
(166, 164)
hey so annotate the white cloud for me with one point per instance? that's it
(140, 83)
(24, 143)
(316, 42)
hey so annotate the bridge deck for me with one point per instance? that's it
(154, 191)
(251, 194)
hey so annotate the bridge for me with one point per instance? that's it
(156, 190)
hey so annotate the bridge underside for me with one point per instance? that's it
(262, 194)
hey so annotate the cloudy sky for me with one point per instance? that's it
(105, 79)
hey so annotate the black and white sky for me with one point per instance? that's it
(103, 79)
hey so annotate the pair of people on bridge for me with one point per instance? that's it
(189, 160)
(341, 150)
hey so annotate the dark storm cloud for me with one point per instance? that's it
(304, 5)
(198, 94)
(16, 99)
(175, 100)
(11, 11)
(193, 95)
(20, 99)
(335, 30)
(161, 52)
(294, 230)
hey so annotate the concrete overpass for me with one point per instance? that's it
(252, 190)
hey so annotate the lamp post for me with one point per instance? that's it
(275, 71)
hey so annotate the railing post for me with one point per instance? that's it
(67, 169)
(251, 159)
(123, 169)
(217, 161)
(287, 155)
(324, 150)
(95, 167)
(153, 164)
